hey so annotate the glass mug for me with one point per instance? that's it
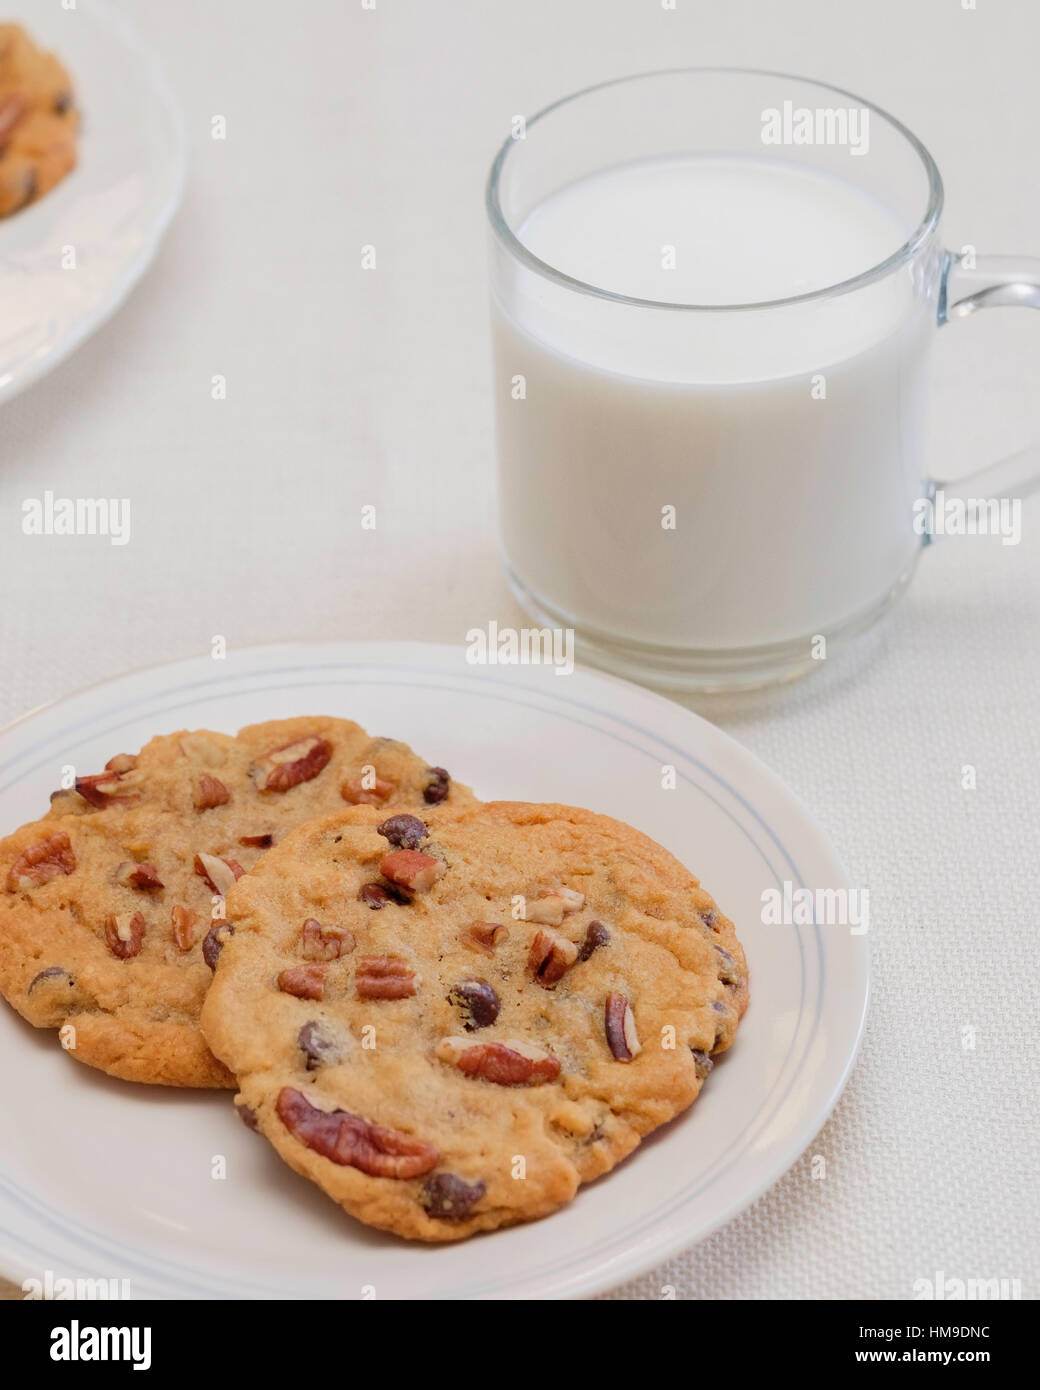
(714, 294)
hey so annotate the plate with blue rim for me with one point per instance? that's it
(69, 259)
(169, 1194)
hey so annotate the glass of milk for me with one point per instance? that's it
(714, 294)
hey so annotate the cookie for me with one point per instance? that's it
(110, 906)
(39, 121)
(451, 1022)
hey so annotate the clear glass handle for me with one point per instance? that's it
(971, 283)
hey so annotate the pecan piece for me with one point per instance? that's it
(550, 906)
(438, 787)
(550, 957)
(478, 1003)
(547, 908)
(209, 792)
(213, 942)
(411, 869)
(596, 935)
(304, 981)
(446, 1197)
(121, 763)
(404, 831)
(507, 1063)
(359, 794)
(353, 1142)
(220, 874)
(484, 936)
(620, 1025)
(12, 108)
(183, 921)
(324, 943)
(204, 748)
(41, 862)
(125, 934)
(287, 767)
(257, 841)
(101, 789)
(144, 876)
(385, 977)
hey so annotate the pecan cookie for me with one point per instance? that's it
(38, 120)
(451, 1019)
(111, 907)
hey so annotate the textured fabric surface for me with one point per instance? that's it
(347, 388)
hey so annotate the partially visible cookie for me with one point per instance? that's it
(450, 1019)
(38, 120)
(111, 905)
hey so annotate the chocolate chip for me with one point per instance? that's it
(316, 1045)
(446, 1197)
(729, 974)
(378, 895)
(438, 787)
(51, 973)
(596, 935)
(703, 1063)
(723, 1029)
(248, 1117)
(407, 832)
(213, 943)
(386, 893)
(478, 1002)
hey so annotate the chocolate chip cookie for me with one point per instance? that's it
(39, 121)
(450, 1019)
(112, 905)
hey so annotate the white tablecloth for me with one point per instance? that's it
(347, 126)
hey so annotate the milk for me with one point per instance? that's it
(710, 479)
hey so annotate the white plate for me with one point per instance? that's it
(112, 209)
(103, 1179)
